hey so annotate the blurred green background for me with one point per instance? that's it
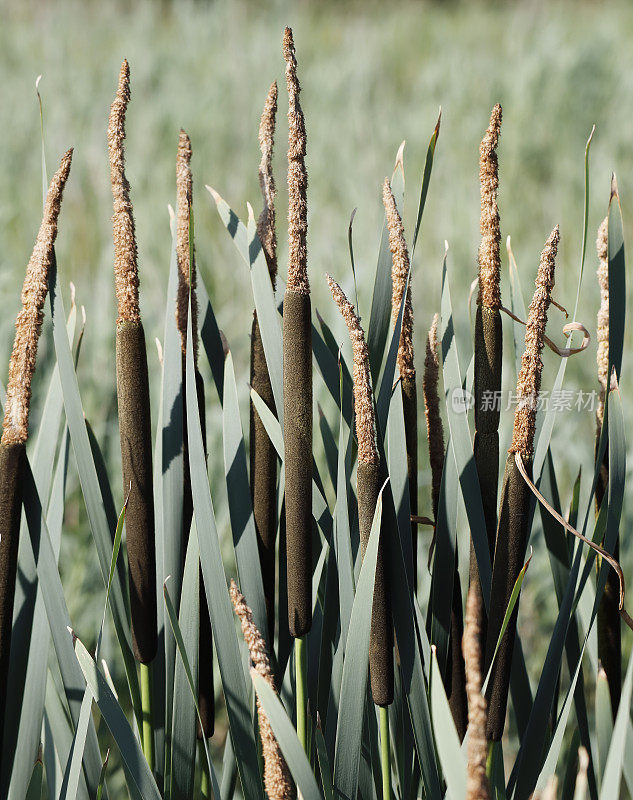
(373, 74)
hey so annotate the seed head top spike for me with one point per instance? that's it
(529, 381)
(186, 267)
(277, 780)
(29, 320)
(399, 274)
(489, 258)
(363, 397)
(434, 427)
(477, 787)
(602, 245)
(123, 231)
(266, 221)
(297, 177)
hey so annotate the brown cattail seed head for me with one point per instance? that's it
(529, 381)
(277, 780)
(29, 320)
(186, 266)
(489, 258)
(477, 783)
(399, 275)
(297, 177)
(123, 232)
(602, 245)
(434, 427)
(266, 222)
(363, 397)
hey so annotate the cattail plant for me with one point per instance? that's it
(368, 482)
(277, 781)
(186, 296)
(512, 529)
(135, 424)
(399, 275)
(263, 458)
(454, 676)
(488, 346)
(297, 384)
(15, 426)
(477, 787)
(609, 629)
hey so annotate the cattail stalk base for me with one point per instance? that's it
(12, 457)
(297, 372)
(146, 706)
(508, 562)
(381, 670)
(385, 754)
(263, 462)
(136, 457)
(456, 683)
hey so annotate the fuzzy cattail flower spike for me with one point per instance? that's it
(297, 371)
(187, 277)
(609, 628)
(277, 781)
(15, 426)
(406, 366)
(455, 676)
(263, 457)
(512, 530)
(132, 393)
(135, 424)
(488, 346)
(368, 482)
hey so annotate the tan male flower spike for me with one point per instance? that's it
(186, 267)
(277, 781)
(29, 321)
(399, 275)
(602, 356)
(266, 222)
(529, 380)
(434, 427)
(489, 257)
(297, 176)
(363, 395)
(123, 231)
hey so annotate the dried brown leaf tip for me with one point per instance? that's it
(529, 381)
(363, 396)
(489, 257)
(476, 782)
(266, 222)
(29, 320)
(277, 780)
(123, 232)
(602, 246)
(186, 268)
(434, 426)
(399, 275)
(297, 177)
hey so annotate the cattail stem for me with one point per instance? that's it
(453, 676)
(132, 379)
(608, 621)
(410, 413)
(263, 457)
(297, 366)
(385, 753)
(369, 479)
(488, 350)
(301, 678)
(146, 706)
(514, 517)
